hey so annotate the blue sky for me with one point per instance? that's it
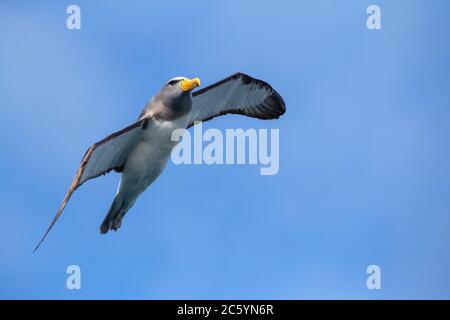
(364, 152)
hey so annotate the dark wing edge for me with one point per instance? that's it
(76, 182)
(272, 107)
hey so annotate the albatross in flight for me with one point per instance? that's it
(140, 151)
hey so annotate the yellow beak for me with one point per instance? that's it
(189, 84)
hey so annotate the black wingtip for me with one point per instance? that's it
(38, 245)
(277, 99)
(43, 238)
(274, 102)
(48, 230)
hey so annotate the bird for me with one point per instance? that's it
(140, 151)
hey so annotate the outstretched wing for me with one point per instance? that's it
(238, 94)
(102, 157)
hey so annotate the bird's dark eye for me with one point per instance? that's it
(172, 82)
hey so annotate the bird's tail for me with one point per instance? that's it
(114, 216)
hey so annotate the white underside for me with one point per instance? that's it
(146, 162)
